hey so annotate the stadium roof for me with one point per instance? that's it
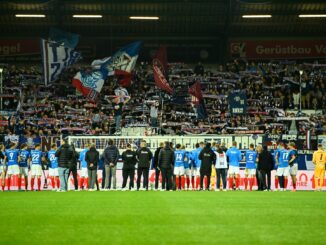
(178, 20)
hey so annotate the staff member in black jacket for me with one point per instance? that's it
(144, 156)
(265, 166)
(64, 155)
(129, 158)
(208, 158)
(155, 165)
(111, 157)
(92, 158)
(73, 167)
(165, 164)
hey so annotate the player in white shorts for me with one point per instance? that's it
(53, 169)
(23, 166)
(195, 168)
(283, 169)
(83, 180)
(12, 158)
(36, 166)
(179, 170)
(234, 156)
(250, 171)
(187, 167)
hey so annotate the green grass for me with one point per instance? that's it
(163, 218)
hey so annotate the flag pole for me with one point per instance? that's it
(161, 124)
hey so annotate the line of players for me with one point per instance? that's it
(18, 162)
(187, 166)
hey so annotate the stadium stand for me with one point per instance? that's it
(271, 90)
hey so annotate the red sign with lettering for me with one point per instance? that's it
(17, 47)
(277, 49)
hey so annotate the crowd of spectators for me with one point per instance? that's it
(272, 89)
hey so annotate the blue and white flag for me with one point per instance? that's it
(67, 39)
(124, 59)
(56, 58)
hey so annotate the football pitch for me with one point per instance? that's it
(163, 218)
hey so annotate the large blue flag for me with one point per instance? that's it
(67, 39)
(124, 59)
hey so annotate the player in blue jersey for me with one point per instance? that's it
(179, 170)
(3, 168)
(293, 162)
(36, 166)
(83, 181)
(234, 156)
(53, 169)
(12, 158)
(276, 152)
(283, 166)
(250, 171)
(195, 166)
(186, 165)
(23, 166)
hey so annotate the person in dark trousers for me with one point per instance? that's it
(92, 159)
(73, 167)
(221, 168)
(144, 156)
(65, 156)
(101, 167)
(155, 165)
(165, 164)
(111, 157)
(208, 158)
(265, 166)
(129, 158)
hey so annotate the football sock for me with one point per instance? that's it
(197, 182)
(285, 182)
(193, 182)
(246, 182)
(276, 183)
(251, 183)
(237, 182)
(188, 182)
(19, 183)
(32, 184)
(57, 180)
(177, 182)
(182, 182)
(26, 183)
(230, 182)
(294, 186)
(52, 183)
(39, 183)
(321, 182)
(81, 181)
(8, 183)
